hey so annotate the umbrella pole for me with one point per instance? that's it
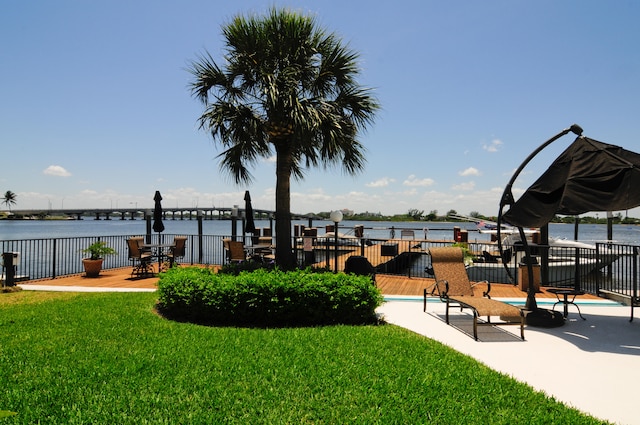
(147, 218)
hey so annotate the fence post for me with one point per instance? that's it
(200, 250)
(10, 270)
(326, 254)
(635, 275)
(54, 264)
(409, 262)
(147, 218)
(191, 244)
(598, 277)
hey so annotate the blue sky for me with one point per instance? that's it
(95, 109)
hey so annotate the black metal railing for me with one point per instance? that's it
(559, 266)
(52, 258)
(608, 267)
(621, 276)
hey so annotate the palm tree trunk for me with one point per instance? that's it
(284, 254)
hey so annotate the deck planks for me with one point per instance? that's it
(388, 284)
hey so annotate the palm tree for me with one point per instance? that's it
(286, 86)
(9, 199)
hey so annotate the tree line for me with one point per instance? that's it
(419, 215)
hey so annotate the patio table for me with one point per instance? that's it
(258, 249)
(159, 251)
(566, 293)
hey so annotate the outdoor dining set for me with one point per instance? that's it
(237, 251)
(143, 255)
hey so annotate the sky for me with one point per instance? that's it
(96, 111)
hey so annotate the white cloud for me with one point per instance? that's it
(494, 146)
(471, 171)
(383, 182)
(412, 180)
(56, 170)
(465, 186)
(409, 193)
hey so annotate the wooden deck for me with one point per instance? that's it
(411, 286)
(372, 252)
(388, 284)
(112, 278)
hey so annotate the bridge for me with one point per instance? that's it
(189, 213)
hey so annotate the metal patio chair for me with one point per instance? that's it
(141, 259)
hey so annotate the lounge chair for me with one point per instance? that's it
(454, 288)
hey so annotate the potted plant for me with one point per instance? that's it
(97, 251)
(468, 255)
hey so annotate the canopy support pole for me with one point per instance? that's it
(508, 200)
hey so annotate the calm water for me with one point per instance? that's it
(36, 229)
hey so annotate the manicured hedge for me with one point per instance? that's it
(267, 298)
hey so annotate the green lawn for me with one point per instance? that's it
(108, 358)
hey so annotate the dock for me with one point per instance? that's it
(392, 254)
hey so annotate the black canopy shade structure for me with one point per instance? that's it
(250, 225)
(588, 176)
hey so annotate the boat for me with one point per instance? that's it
(329, 238)
(564, 258)
(561, 249)
(562, 272)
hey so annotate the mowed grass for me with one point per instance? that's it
(108, 358)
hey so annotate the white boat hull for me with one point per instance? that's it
(560, 272)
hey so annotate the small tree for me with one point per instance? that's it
(415, 214)
(9, 199)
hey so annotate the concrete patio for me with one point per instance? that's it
(592, 365)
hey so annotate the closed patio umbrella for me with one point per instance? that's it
(158, 225)
(250, 225)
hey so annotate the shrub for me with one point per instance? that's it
(267, 298)
(245, 266)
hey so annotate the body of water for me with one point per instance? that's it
(47, 229)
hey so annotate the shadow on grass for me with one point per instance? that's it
(9, 289)
(261, 322)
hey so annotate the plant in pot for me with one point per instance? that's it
(97, 251)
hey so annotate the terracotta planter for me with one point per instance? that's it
(92, 267)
